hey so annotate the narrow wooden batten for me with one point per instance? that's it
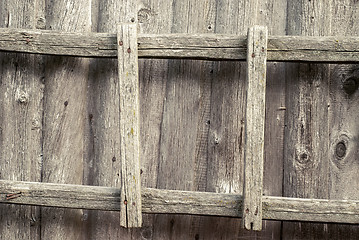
(254, 127)
(131, 206)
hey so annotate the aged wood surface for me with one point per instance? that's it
(343, 120)
(196, 46)
(176, 202)
(21, 93)
(216, 158)
(103, 141)
(316, 122)
(65, 98)
(131, 213)
(254, 127)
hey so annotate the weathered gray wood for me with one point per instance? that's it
(155, 17)
(21, 94)
(176, 202)
(306, 172)
(65, 98)
(131, 214)
(254, 127)
(103, 165)
(343, 120)
(180, 122)
(196, 46)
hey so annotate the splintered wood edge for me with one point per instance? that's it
(131, 206)
(162, 201)
(254, 127)
(191, 46)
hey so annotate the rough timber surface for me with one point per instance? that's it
(192, 46)
(254, 127)
(215, 165)
(318, 119)
(21, 93)
(103, 140)
(131, 214)
(177, 202)
(65, 97)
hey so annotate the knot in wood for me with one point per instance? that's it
(340, 150)
(22, 96)
(350, 85)
(144, 15)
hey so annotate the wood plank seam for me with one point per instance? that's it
(131, 206)
(254, 127)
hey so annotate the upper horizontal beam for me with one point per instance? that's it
(197, 46)
(176, 202)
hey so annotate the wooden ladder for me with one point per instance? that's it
(256, 48)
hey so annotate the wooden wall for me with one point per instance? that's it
(59, 117)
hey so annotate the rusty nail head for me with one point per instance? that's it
(129, 50)
(134, 204)
(253, 55)
(125, 202)
(120, 43)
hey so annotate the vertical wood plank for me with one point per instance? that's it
(64, 117)
(254, 127)
(306, 172)
(103, 165)
(21, 94)
(131, 210)
(343, 119)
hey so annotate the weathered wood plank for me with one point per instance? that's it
(196, 46)
(103, 164)
(343, 119)
(65, 98)
(306, 165)
(176, 202)
(254, 127)
(21, 95)
(131, 214)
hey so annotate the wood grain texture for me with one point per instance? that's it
(131, 214)
(21, 93)
(192, 46)
(176, 202)
(64, 118)
(103, 141)
(307, 130)
(343, 121)
(254, 127)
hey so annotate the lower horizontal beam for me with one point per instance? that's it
(177, 202)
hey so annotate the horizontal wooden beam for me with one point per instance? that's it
(197, 46)
(176, 202)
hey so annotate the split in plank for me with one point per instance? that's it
(176, 202)
(194, 46)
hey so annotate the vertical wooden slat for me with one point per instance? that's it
(21, 93)
(254, 127)
(65, 98)
(131, 211)
(306, 169)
